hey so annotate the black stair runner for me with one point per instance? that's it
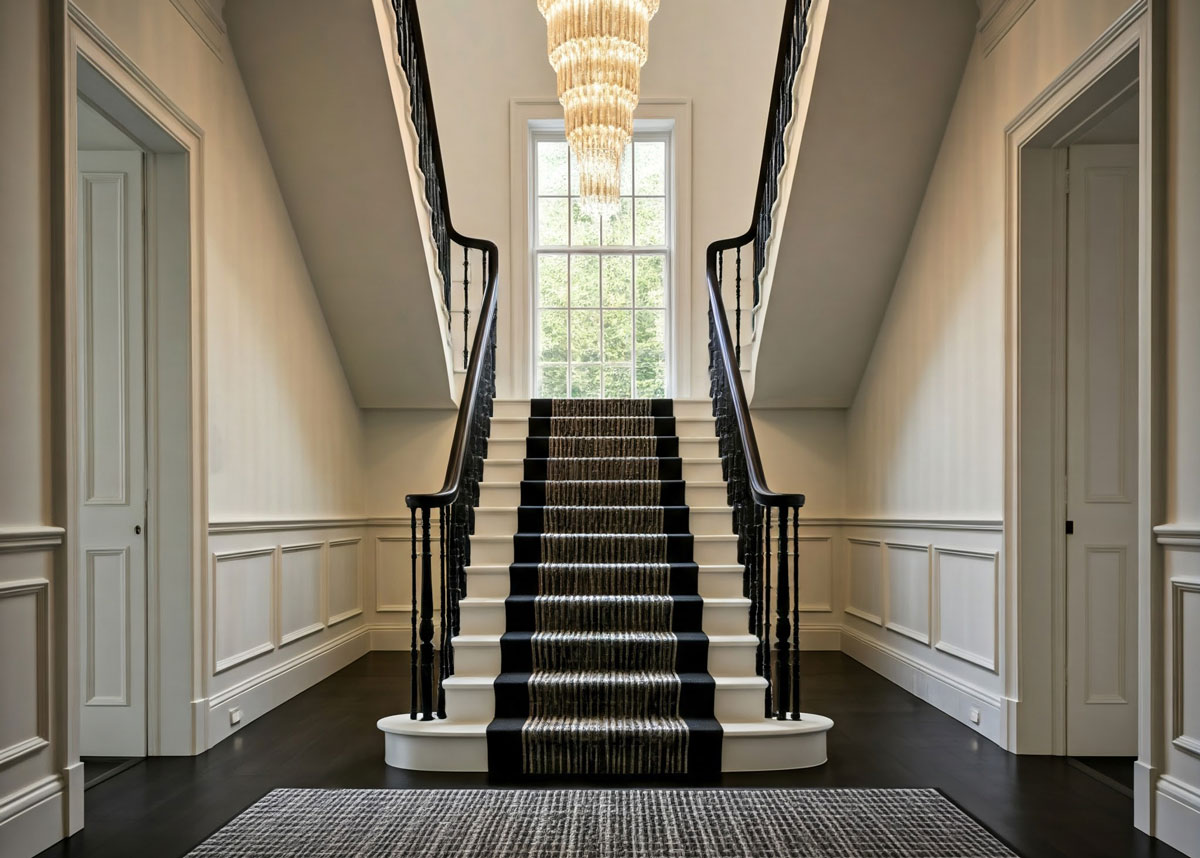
(604, 666)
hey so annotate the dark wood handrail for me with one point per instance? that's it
(456, 467)
(724, 342)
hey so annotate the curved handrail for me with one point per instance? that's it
(741, 409)
(455, 469)
(759, 489)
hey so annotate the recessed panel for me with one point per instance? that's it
(1186, 668)
(864, 598)
(1105, 624)
(242, 607)
(108, 645)
(393, 573)
(814, 554)
(966, 605)
(22, 659)
(345, 583)
(908, 590)
(103, 282)
(300, 592)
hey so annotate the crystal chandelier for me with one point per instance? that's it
(597, 49)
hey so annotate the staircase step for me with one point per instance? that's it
(488, 616)
(600, 694)
(499, 550)
(601, 491)
(536, 448)
(676, 520)
(711, 582)
(656, 407)
(669, 468)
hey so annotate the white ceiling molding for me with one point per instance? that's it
(205, 18)
(996, 18)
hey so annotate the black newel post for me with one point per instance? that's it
(426, 630)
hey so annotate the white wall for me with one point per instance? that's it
(1174, 747)
(719, 55)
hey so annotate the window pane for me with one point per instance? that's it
(585, 381)
(618, 227)
(585, 336)
(574, 167)
(627, 170)
(618, 281)
(553, 342)
(552, 167)
(651, 291)
(650, 159)
(651, 222)
(650, 333)
(552, 279)
(585, 228)
(618, 336)
(617, 382)
(552, 382)
(585, 280)
(552, 222)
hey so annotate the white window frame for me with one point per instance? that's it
(517, 315)
(644, 131)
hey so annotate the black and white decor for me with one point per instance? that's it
(604, 661)
(662, 823)
(605, 627)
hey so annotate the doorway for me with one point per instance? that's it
(111, 455)
(1080, 266)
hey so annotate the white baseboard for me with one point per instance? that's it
(939, 689)
(1177, 815)
(816, 638)
(32, 819)
(262, 693)
(391, 637)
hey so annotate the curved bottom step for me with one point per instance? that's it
(755, 746)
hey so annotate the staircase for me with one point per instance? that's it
(605, 627)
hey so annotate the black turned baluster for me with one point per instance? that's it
(796, 613)
(737, 324)
(764, 635)
(426, 629)
(466, 306)
(783, 625)
(412, 712)
(443, 636)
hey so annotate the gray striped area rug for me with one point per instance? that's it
(666, 823)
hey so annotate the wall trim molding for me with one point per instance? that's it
(207, 23)
(1179, 586)
(972, 524)
(274, 525)
(996, 18)
(1179, 534)
(39, 588)
(31, 537)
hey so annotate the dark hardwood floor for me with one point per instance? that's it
(883, 737)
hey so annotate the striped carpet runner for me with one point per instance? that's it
(603, 662)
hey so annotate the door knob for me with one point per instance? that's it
(137, 528)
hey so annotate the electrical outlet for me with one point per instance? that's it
(974, 715)
(235, 716)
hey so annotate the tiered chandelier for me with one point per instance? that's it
(597, 49)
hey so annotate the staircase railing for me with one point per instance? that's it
(435, 598)
(429, 151)
(762, 518)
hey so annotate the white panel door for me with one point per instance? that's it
(1102, 260)
(112, 456)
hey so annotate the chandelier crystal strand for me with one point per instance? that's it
(597, 49)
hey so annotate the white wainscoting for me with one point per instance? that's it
(345, 580)
(24, 679)
(1185, 672)
(814, 554)
(923, 607)
(864, 580)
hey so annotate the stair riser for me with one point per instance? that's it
(510, 409)
(723, 660)
(493, 583)
(497, 550)
(699, 427)
(493, 495)
(692, 408)
(499, 496)
(498, 470)
(689, 448)
(489, 618)
(503, 522)
(477, 702)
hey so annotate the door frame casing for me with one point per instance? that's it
(1126, 55)
(90, 64)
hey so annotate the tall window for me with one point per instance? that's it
(600, 284)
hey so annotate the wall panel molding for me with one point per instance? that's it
(908, 626)
(953, 630)
(300, 602)
(30, 538)
(38, 735)
(996, 18)
(971, 524)
(393, 559)
(256, 635)
(1181, 535)
(816, 574)
(1185, 649)
(864, 581)
(338, 607)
